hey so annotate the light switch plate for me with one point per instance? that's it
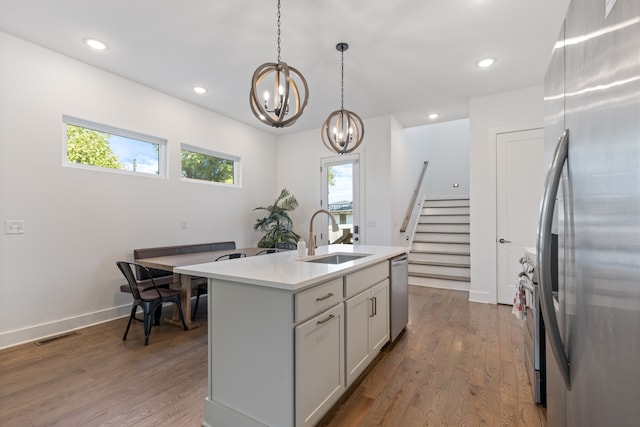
(14, 226)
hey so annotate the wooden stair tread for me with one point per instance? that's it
(440, 264)
(443, 218)
(443, 232)
(420, 251)
(445, 214)
(440, 242)
(440, 252)
(441, 276)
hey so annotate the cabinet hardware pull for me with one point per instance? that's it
(329, 295)
(373, 307)
(320, 322)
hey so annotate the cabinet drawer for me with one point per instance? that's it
(363, 279)
(317, 299)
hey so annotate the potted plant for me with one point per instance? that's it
(277, 226)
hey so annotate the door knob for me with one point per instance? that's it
(504, 241)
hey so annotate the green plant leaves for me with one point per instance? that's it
(277, 226)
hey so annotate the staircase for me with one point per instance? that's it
(440, 251)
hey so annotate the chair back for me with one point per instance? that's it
(267, 251)
(286, 246)
(127, 271)
(231, 256)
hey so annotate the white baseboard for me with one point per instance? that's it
(219, 414)
(58, 327)
(483, 297)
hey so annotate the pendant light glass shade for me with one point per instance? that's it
(343, 131)
(279, 93)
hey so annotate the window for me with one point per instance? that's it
(94, 145)
(200, 164)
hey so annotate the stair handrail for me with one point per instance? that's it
(417, 199)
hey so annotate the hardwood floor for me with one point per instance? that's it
(458, 364)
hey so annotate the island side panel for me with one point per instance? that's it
(251, 355)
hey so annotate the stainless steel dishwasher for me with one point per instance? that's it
(399, 294)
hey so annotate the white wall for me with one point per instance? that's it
(61, 274)
(299, 157)
(391, 160)
(446, 147)
(522, 109)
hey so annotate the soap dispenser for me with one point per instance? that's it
(302, 248)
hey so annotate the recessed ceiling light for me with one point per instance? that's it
(200, 89)
(96, 44)
(484, 63)
(433, 116)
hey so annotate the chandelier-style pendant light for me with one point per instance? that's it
(343, 130)
(287, 102)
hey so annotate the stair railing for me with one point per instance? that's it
(410, 221)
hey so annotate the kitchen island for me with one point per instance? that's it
(289, 334)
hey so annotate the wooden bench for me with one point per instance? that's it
(164, 278)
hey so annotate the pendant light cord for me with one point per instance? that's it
(342, 82)
(278, 31)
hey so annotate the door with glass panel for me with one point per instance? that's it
(341, 196)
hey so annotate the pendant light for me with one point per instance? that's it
(343, 130)
(290, 94)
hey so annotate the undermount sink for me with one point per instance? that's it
(337, 258)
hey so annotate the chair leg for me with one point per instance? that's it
(184, 324)
(131, 317)
(148, 322)
(157, 314)
(195, 309)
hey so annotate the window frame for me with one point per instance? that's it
(237, 165)
(100, 127)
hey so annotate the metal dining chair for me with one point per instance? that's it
(267, 251)
(148, 298)
(202, 288)
(231, 256)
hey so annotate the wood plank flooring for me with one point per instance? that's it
(458, 364)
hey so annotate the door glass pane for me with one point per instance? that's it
(340, 202)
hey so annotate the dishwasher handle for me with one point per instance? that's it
(399, 260)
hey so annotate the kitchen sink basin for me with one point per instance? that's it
(337, 258)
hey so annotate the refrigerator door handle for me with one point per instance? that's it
(547, 206)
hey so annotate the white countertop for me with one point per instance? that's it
(287, 271)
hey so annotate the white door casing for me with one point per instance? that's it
(322, 225)
(519, 182)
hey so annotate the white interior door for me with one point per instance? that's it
(341, 196)
(520, 178)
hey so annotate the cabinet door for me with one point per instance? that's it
(379, 321)
(319, 365)
(358, 309)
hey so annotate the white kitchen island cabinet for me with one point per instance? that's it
(367, 317)
(277, 333)
(320, 379)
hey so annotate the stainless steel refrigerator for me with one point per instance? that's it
(591, 202)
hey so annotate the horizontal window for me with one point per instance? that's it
(94, 145)
(204, 165)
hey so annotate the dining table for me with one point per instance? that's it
(186, 282)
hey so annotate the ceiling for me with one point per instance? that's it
(407, 58)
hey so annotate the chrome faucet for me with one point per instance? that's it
(312, 238)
